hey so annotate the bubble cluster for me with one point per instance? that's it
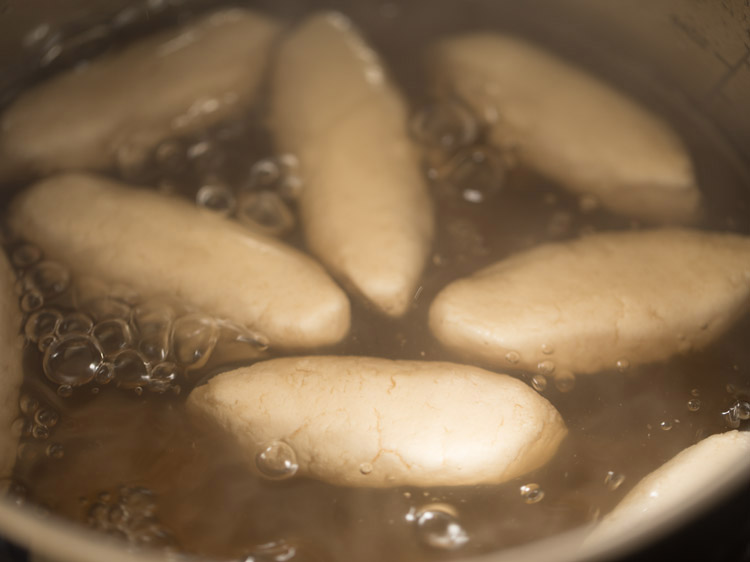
(130, 515)
(93, 333)
(204, 168)
(276, 461)
(35, 426)
(457, 162)
(438, 526)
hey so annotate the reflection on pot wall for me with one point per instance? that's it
(699, 47)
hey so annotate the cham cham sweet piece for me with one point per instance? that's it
(169, 84)
(359, 421)
(606, 300)
(157, 244)
(572, 127)
(674, 484)
(11, 369)
(365, 208)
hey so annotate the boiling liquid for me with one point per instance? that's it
(136, 465)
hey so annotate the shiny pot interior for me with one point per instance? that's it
(680, 57)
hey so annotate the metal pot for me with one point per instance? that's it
(701, 50)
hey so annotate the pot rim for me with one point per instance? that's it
(60, 539)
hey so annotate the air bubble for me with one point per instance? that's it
(193, 339)
(531, 493)
(20, 428)
(170, 156)
(731, 418)
(365, 468)
(265, 211)
(665, 425)
(277, 461)
(622, 365)
(546, 367)
(32, 300)
(264, 174)
(565, 381)
(65, 391)
(154, 323)
(40, 432)
(477, 173)
(113, 335)
(438, 527)
(203, 154)
(694, 404)
(539, 382)
(512, 357)
(55, 451)
(75, 323)
(28, 404)
(46, 417)
(163, 375)
(25, 255)
(105, 373)
(547, 349)
(279, 175)
(130, 369)
(216, 197)
(42, 323)
(72, 360)
(14, 490)
(613, 480)
(446, 125)
(130, 516)
(290, 185)
(739, 411)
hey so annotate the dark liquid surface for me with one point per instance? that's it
(625, 423)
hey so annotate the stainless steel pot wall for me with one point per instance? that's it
(697, 48)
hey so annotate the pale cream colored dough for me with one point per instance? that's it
(359, 421)
(571, 126)
(585, 305)
(160, 245)
(365, 208)
(166, 85)
(11, 368)
(674, 484)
